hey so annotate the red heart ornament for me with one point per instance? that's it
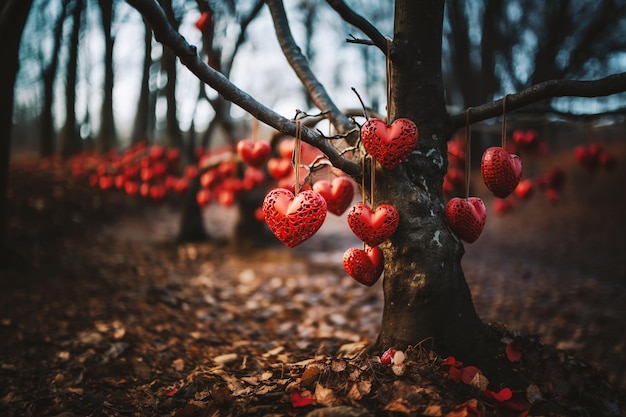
(389, 145)
(338, 194)
(501, 171)
(365, 266)
(466, 217)
(253, 153)
(294, 219)
(374, 227)
(279, 168)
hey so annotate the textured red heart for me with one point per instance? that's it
(293, 219)
(338, 194)
(389, 145)
(253, 153)
(365, 266)
(501, 171)
(374, 227)
(466, 217)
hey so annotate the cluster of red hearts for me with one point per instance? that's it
(155, 172)
(148, 171)
(592, 158)
(294, 218)
(501, 172)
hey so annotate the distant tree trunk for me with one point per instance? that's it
(141, 128)
(70, 142)
(191, 227)
(13, 14)
(107, 137)
(46, 144)
(173, 135)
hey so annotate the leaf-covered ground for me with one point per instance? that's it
(102, 314)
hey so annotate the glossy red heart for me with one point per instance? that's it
(338, 193)
(365, 266)
(373, 227)
(466, 217)
(389, 145)
(501, 171)
(294, 219)
(253, 153)
(279, 168)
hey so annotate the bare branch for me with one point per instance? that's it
(361, 23)
(187, 54)
(301, 67)
(612, 84)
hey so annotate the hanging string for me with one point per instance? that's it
(372, 181)
(504, 121)
(388, 78)
(468, 147)
(296, 158)
(363, 178)
(255, 129)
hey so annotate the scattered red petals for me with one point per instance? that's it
(504, 394)
(451, 361)
(513, 354)
(299, 401)
(387, 357)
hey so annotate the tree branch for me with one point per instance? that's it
(301, 67)
(360, 23)
(612, 84)
(187, 53)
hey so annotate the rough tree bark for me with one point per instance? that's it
(426, 296)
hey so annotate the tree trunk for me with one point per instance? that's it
(141, 129)
(426, 296)
(46, 142)
(107, 137)
(13, 16)
(173, 135)
(70, 142)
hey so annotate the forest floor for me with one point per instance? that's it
(103, 314)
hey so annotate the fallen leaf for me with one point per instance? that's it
(310, 375)
(225, 358)
(432, 411)
(325, 396)
(468, 409)
(400, 405)
(468, 372)
(479, 381)
(533, 393)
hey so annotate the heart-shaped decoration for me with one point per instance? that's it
(501, 171)
(389, 145)
(374, 227)
(253, 153)
(294, 219)
(466, 217)
(338, 194)
(279, 168)
(365, 266)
